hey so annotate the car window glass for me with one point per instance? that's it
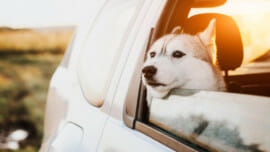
(217, 121)
(101, 51)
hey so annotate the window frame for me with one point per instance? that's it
(133, 109)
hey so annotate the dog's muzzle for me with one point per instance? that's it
(149, 72)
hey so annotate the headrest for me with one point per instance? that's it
(228, 38)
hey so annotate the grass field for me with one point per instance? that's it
(32, 41)
(27, 62)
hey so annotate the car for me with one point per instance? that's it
(97, 102)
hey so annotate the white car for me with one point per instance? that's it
(97, 102)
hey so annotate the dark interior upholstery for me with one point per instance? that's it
(228, 38)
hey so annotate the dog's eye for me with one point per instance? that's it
(178, 54)
(152, 54)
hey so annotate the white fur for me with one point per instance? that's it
(195, 70)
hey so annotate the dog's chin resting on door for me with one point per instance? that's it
(179, 60)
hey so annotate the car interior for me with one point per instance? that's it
(230, 52)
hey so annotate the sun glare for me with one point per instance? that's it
(252, 17)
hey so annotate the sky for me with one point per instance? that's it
(40, 13)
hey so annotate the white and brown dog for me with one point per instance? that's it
(179, 60)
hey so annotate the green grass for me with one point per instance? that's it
(24, 81)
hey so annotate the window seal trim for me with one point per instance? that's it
(162, 137)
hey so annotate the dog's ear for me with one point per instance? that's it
(177, 30)
(209, 34)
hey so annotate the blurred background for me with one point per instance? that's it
(33, 37)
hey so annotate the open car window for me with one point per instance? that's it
(236, 120)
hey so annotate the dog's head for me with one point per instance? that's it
(174, 60)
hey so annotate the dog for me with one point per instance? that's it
(180, 60)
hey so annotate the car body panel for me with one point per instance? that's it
(118, 137)
(65, 101)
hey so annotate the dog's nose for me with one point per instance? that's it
(149, 71)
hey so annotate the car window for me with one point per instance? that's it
(217, 121)
(233, 120)
(102, 48)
